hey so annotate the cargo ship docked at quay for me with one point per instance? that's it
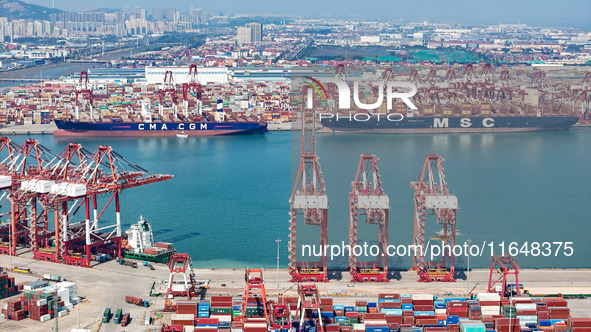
(198, 124)
(135, 129)
(459, 100)
(455, 124)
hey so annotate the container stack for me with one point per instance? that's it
(221, 309)
(507, 325)
(38, 309)
(163, 245)
(457, 308)
(394, 312)
(14, 310)
(7, 286)
(207, 324)
(254, 307)
(474, 310)
(579, 324)
(203, 309)
(187, 307)
(236, 309)
(183, 320)
(490, 303)
(255, 325)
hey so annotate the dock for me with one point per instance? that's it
(34, 129)
(107, 284)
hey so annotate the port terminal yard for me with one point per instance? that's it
(107, 284)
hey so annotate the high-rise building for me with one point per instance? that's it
(244, 35)
(256, 32)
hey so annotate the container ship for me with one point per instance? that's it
(198, 124)
(140, 244)
(453, 124)
(516, 100)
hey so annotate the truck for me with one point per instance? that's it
(127, 263)
(125, 319)
(137, 301)
(106, 315)
(118, 314)
(52, 277)
(147, 319)
(101, 258)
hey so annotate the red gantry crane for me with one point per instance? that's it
(433, 198)
(280, 316)
(84, 89)
(504, 266)
(25, 162)
(309, 304)
(254, 293)
(181, 281)
(308, 198)
(168, 88)
(43, 183)
(368, 201)
(192, 84)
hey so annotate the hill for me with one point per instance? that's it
(15, 9)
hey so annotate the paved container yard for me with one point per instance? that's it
(107, 284)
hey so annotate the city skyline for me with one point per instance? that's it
(570, 13)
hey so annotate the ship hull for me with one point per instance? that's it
(122, 129)
(447, 124)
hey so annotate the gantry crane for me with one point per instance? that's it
(168, 88)
(280, 316)
(43, 183)
(308, 305)
(505, 266)
(254, 291)
(432, 197)
(181, 281)
(194, 85)
(84, 89)
(368, 200)
(308, 197)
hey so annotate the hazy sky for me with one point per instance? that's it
(576, 13)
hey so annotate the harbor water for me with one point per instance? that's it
(228, 200)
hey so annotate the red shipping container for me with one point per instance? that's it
(389, 296)
(556, 302)
(579, 322)
(423, 307)
(409, 320)
(559, 313)
(526, 312)
(434, 329)
(375, 316)
(489, 303)
(425, 320)
(456, 304)
(394, 319)
(326, 300)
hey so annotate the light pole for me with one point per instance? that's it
(10, 244)
(468, 269)
(278, 241)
